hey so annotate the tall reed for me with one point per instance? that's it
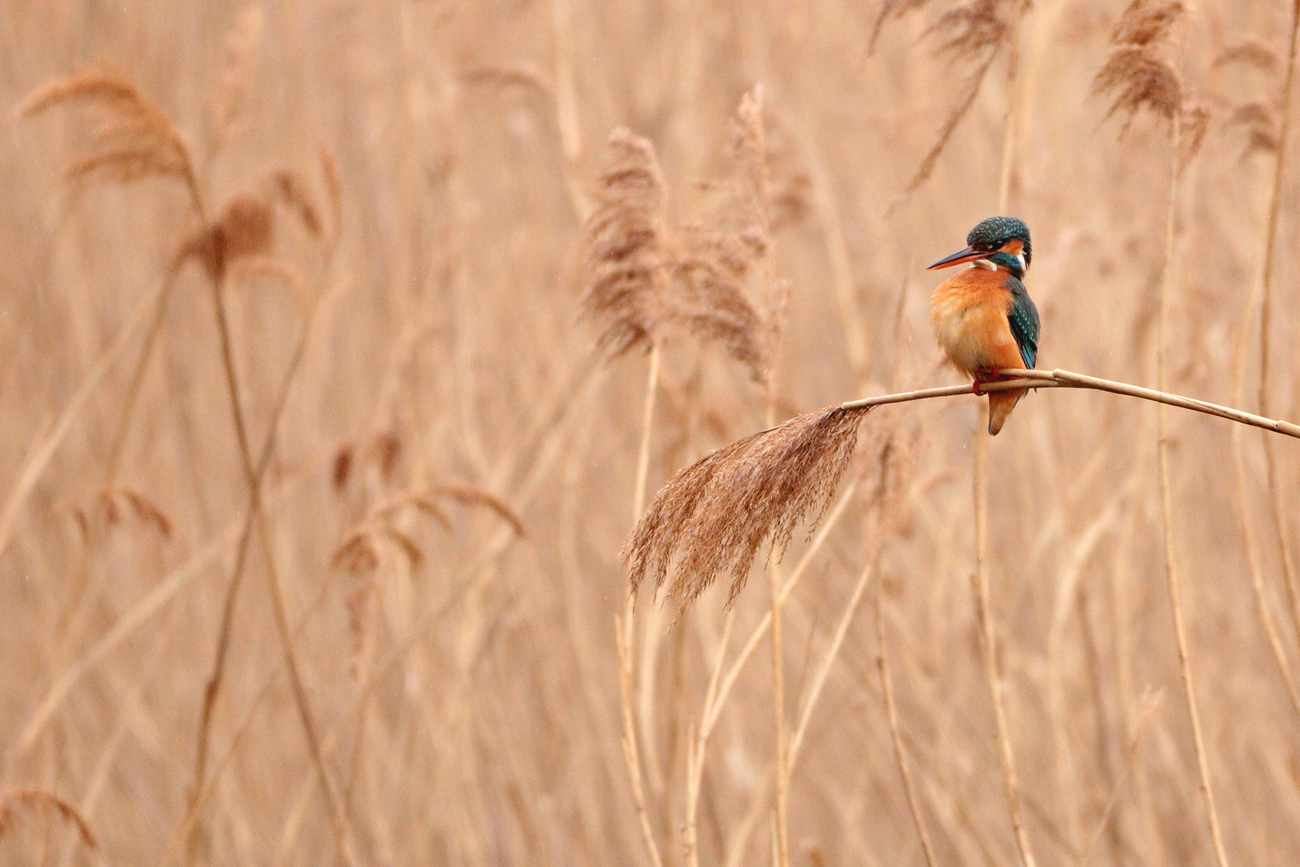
(1140, 75)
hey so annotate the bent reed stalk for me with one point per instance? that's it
(1276, 495)
(1059, 378)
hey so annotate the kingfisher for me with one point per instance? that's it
(983, 317)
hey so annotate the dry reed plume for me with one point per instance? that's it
(628, 247)
(108, 508)
(133, 138)
(974, 33)
(360, 550)
(1140, 73)
(713, 516)
(645, 280)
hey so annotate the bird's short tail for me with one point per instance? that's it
(1000, 405)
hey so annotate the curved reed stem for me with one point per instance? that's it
(697, 741)
(253, 470)
(652, 627)
(630, 752)
(625, 629)
(114, 460)
(1265, 323)
(1059, 378)
(895, 733)
(1249, 542)
(989, 646)
(781, 832)
(1167, 504)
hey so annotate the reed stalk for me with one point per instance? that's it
(989, 648)
(1166, 494)
(1275, 489)
(630, 751)
(895, 732)
(253, 470)
(641, 693)
(1249, 543)
(781, 835)
(1058, 378)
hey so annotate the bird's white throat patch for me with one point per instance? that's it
(989, 266)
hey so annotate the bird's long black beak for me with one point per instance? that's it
(970, 254)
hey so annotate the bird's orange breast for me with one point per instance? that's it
(969, 317)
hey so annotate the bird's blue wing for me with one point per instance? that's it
(1023, 317)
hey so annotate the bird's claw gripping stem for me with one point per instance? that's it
(992, 375)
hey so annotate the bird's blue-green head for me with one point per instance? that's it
(1001, 243)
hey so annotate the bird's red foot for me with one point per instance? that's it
(993, 374)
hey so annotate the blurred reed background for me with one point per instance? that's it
(401, 234)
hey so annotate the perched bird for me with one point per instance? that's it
(983, 317)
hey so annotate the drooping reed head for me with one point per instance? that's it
(1141, 72)
(1148, 22)
(109, 507)
(1252, 53)
(714, 515)
(1136, 78)
(975, 33)
(973, 30)
(1259, 119)
(133, 137)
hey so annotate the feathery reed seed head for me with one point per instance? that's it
(360, 551)
(1146, 22)
(972, 29)
(246, 229)
(1249, 52)
(1137, 79)
(1138, 74)
(1196, 123)
(976, 31)
(133, 138)
(108, 507)
(1261, 124)
(643, 278)
(714, 515)
(626, 240)
(714, 302)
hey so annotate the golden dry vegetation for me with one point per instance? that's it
(448, 258)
